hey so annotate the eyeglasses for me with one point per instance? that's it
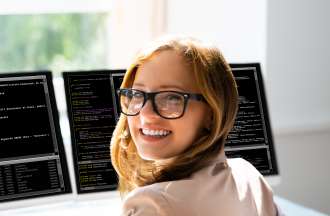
(167, 104)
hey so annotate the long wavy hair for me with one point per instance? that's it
(216, 83)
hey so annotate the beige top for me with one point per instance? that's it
(227, 187)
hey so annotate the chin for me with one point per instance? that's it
(155, 157)
(150, 157)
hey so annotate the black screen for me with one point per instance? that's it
(32, 157)
(251, 136)
(92, 109)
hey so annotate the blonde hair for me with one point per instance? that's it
(215, 82)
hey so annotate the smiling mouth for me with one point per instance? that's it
(155, 133)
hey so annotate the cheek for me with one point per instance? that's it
(189, 129)
(198, 120)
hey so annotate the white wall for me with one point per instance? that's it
(237, 27)
(298, 63)
(131, 25)
(304, 166)
(298, 66)
(291, 40)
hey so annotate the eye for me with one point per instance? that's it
(174, 97)
(171, 98)
(127, 93)
(137, 94)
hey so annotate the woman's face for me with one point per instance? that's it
(158, 138)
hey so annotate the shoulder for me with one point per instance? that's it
(240, 165)
(249, 180)
(159, 200)
(245, 173)
(244, 170)
(148, 200)
(231, 187)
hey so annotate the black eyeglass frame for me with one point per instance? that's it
(152, 95)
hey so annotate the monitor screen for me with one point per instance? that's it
(93, 113)
(251, 136)
(32, 158)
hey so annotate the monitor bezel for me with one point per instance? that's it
(66, 195)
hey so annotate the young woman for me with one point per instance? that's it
(179, 102)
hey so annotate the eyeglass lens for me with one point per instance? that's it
(167, 104)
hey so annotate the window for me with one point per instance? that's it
(54, 35)
(76, 35)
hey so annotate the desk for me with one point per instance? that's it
(111, 207)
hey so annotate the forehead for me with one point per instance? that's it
(165, 70)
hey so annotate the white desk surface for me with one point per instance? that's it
(111, 207)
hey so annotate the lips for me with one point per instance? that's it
(155, 133)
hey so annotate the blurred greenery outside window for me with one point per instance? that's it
(56, 42)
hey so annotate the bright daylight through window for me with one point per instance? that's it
(56, 41)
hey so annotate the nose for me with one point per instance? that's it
(148, 112)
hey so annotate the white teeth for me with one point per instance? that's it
(155, 132)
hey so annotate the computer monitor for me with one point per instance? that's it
(251, 137)
(32, 156)
(93, 112)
